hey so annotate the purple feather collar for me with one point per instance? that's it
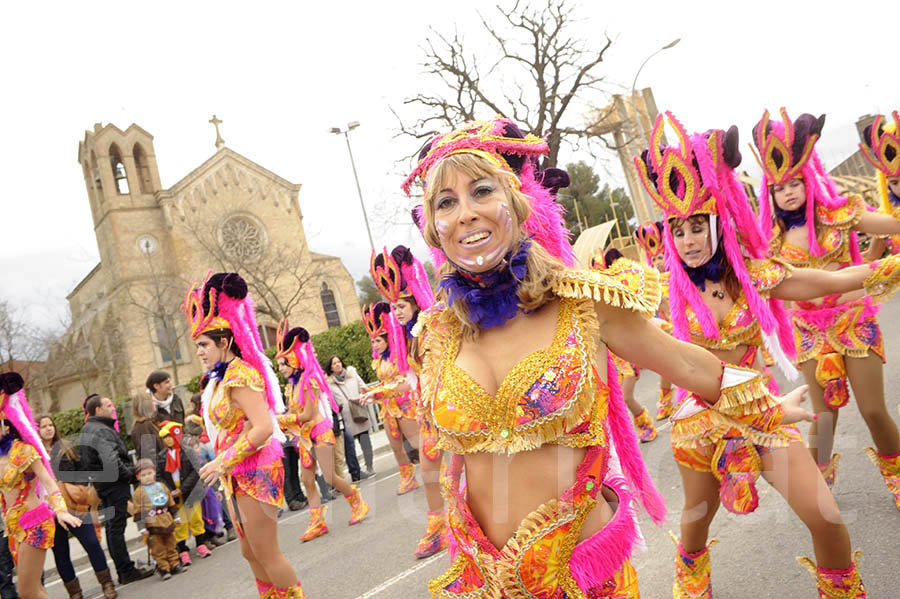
(711, 270)
(490, 297)
(792, 218)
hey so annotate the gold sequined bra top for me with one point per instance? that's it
(739, 326)
(835, 226)
(554, 394)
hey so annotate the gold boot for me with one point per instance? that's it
(829, 469)
(664, 404)
(408, 480)
(692, 573)
(358, 506)
(435, 537)
(837, 584)
(317, 526)
(644, 426)
(889, 466)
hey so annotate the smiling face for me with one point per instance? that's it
(404, 310)
(893, 184)
(659, 262)
(692, 240)
(791, 195)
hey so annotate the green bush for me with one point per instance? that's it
(351, 343)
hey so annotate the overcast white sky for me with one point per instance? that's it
(280, 75)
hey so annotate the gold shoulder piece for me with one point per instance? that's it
(769, 273)
(626, 284)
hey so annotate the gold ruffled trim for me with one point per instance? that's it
(709, 427)
(751, 397)
(241, 374)
(626, 284)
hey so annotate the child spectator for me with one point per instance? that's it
(178, 467)
(156, 516)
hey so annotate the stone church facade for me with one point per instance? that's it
(228, 214)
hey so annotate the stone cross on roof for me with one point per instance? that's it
(220, 143)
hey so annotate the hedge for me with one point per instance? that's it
(351, 342)
(70, 422)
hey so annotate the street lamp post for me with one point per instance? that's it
(634, 84)
(346, 132)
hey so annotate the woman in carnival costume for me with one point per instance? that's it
(32, 503)
(402, 280)
(650, 238)
(881, 147)
(628, 373)
(724, 296)
(394, 391)
(837, 335)
(308, 420)
(518, 381)
(241, 400)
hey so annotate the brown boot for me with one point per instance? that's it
(106, 583)
(73, 587)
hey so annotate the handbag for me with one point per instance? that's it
(79, 498)
(358, 412)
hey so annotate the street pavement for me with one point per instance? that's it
(755, 558)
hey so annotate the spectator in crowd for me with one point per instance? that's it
(169, 407)
(105, 457)
(145, 430)
(293, 492)
(347, 387)
(156, 515)
(66, 463)
(178, 467)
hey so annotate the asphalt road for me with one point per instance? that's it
(755, 557)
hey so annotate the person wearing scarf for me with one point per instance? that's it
(175, 465)
(527, 398)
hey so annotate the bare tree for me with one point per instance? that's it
(281, 275)
(541, 75)
(17, 341)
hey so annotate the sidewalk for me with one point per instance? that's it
(136, 543)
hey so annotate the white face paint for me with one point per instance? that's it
(473, 221)
(692, 241)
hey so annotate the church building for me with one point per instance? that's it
(228, 214)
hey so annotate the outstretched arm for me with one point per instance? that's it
(878, 223)
(809, 283)
(635, 339)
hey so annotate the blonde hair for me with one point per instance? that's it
(536, 288)
(143, 408)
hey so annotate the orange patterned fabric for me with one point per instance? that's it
(551, 396)
(835, 226)
(396, 403)
(740, 326)
(534, 562)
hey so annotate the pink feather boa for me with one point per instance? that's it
(36, 515)
(18, 412)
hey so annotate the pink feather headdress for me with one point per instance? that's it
(787, 150)
(650, 238)
(502, 142)
(379, 320)
(698, 177)
(301, 354)
(230, 307)
(14, 408)
(399, 274)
